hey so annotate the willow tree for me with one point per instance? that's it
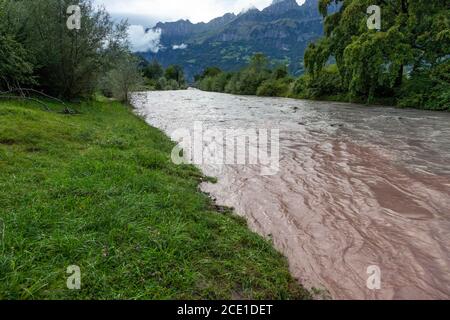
(414, 34)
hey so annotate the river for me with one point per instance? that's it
(357, 187)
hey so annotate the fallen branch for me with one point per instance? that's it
(66, 110)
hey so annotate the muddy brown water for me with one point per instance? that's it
(358, 186)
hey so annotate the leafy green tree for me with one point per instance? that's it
(280, 72)
(125, 78)
(220, 81)
(214, 81)
(428, 88)
(414, 35)
(172, 85)
(16, 68)
(161, 84)
(210, 72)
(175, 72)
(325, 83)
(316, 56)
(68, 63)
(274, 87)
(250, 78)
(153, 71)
(259, 62)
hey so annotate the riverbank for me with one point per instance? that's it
(388, 102)
(379, 102)
(98, 190)
(425, 92)
(342, 196)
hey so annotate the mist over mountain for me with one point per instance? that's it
(282, 31)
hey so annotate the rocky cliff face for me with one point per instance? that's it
(282, 31)
(281, 6)
(178, 30)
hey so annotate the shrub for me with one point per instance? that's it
(172, 85)
(124, 78)
(220, 81)
(205, 84)
(427, 89)
(153, 71)
(324, 83)
(299, 87)
(274, 88)
(249, 80)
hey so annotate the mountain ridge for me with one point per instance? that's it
(282, 31)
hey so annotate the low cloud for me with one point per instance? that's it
(142, 40)
(179, 46)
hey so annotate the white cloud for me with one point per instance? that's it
(171, 10)
(180, 46)
(248, 8)
(142, 41)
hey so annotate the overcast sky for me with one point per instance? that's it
(148, 12)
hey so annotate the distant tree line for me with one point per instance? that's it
(156, 78)
(255, 79)
(406, 63)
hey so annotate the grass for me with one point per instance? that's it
(98, 190)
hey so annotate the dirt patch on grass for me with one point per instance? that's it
(7, 141)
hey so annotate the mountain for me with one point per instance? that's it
(281, 6)
(282, 31)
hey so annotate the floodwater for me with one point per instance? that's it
(357, 187)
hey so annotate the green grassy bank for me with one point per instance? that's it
(98, 190)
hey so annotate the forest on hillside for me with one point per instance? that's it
(404, 63)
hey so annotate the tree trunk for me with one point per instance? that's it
(399, 79)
